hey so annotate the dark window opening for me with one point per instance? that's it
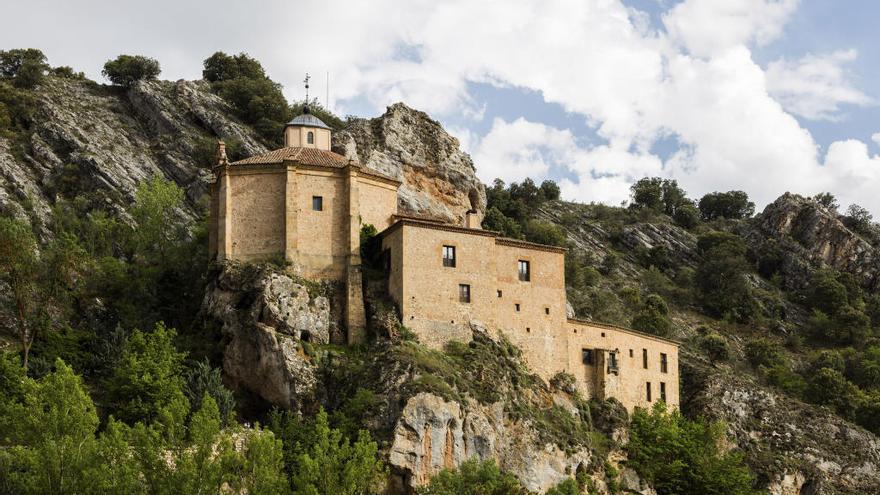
(648, 391)
(603, 334)
(524, 272)
(310, 137)
(663, 391)
(587, 356)
(612, 362)
(630, 353)
(318, 203)
(517, 307)
(449, 256)
(528, 330)
(464, 293)
(546, 311)
(645, 358)
(664, 366)
(499, 293)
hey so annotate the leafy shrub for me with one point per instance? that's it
(653, 317)
(733, 205)
(715, 346)
(203, 380)
(659, 195)
(544, 233)
(829, 387)
(686, 215)
(25, 68)
(126, 70)
(473, 477)
(676, 455)
(241, 80)
(826, 293)
(858, 219)
(563, 381)
(721, 277)
(764, 352)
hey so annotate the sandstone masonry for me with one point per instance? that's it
(306, 204)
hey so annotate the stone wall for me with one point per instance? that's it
(530, 313)
(257, 213)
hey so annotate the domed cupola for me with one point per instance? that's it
(307, 130)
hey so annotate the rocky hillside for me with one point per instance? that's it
(432, 410)
(103, 140)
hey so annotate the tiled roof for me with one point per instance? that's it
(306, 156)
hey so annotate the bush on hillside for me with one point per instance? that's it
(715, 346)
(473, 477)
(25, 68)
(732, 205)
(125, 70)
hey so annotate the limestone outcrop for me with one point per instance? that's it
(104, 141)
(433, 434)
(438, 179)
(811, 236)
(266, 316)
(794, 447)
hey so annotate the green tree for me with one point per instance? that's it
(715, 346)
(566, 487)
(678, 456)
(825, 293)
(125, 70)
(721, 276)
(653, 317)
(148, 376)
(20, 272)
(686, 215)
(203, 379)
(858, 218)
(733, 205)
(544, 233)
(473, 477)
(829, 387)
(327, 462)
(52, 434)
(26, 67)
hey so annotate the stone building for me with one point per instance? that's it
(306, 204)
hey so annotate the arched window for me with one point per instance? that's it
(310, 137)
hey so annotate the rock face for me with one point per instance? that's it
(812, 236)
(266, 317)
(794, 447)
(438, 179)
(433, 434)
(103, 140)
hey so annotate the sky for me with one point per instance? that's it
(766, 96)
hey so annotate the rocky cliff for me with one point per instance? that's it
(438, 178)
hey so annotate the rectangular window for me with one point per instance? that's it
(318, 203)
(464, 293)
(664, 367)
(449, 256)
(499, 293)
(663, 391)
(516, 306)
(612, 361)
(524, 273)
(546, 311)
(648, 391)
(587, 356)
(645, 358)
(630, 353)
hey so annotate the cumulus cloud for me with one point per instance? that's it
(876, 138)
(693, 82)
(707, 28)
(815, 86)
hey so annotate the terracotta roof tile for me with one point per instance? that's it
(306, 156)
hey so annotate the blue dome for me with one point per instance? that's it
(308, 120)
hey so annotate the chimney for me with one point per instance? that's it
(221, 153)
(471, 220)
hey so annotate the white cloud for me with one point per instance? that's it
(696, 82)
(706, 28)
(815, 86)
(876, 138)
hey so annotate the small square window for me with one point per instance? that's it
(524, 272)
(546, 310)
(517, 307)
(499, 293)
(318, 203)
(449, 256)
(603, 334)
(464, 293)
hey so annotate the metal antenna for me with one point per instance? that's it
(306, 81)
